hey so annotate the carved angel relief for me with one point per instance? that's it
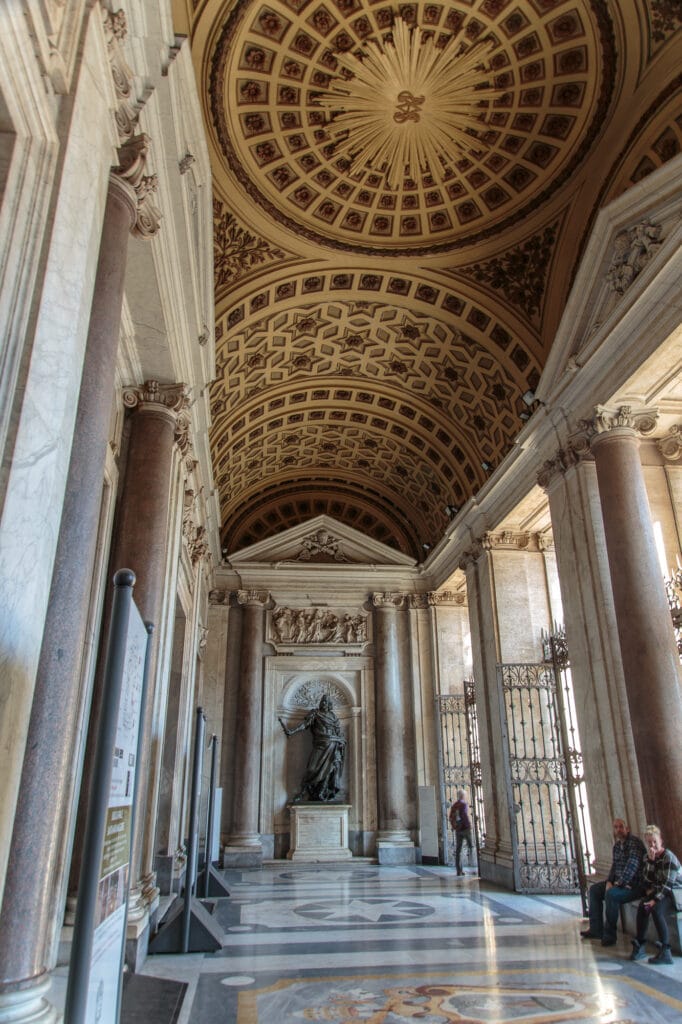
(316, 626)
(632, 250)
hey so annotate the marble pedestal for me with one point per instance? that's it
(319, 832)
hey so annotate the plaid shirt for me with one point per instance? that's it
(659, 875)
(626, 867)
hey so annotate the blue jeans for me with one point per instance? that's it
(461, 837)
(605, 907)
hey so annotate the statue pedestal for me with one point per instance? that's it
(319, 832)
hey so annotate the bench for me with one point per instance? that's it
(628, 917)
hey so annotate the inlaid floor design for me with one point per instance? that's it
(386, 945)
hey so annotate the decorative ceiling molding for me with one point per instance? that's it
(270, 66)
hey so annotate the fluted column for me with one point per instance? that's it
(650, 659)
(34, 892)
(396, 768)
(244, 846)
(606, 741)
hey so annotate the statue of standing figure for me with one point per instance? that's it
(322, 777)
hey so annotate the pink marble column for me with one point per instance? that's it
(650, 659)
(141, 543)
(34, 893)
(396, 767)
(244, 848)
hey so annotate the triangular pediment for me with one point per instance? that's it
(320, 541)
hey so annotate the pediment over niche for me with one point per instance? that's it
(320, 541)
(631, 260)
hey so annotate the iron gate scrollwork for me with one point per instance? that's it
(460, 763)
(546, 792)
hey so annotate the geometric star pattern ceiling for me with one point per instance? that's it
(377, 327)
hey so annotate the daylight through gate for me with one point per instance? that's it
(460, 764)
(548, 851)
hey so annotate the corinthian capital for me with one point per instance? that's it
(639, 420)
(670, 446)
(173, 397)
(446, 597)
(253, 597)
(387, 600)
(133, 158)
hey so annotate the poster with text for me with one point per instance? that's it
(112, 893)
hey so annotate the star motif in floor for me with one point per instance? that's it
(375, 910)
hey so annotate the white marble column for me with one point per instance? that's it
(610, 764)
(396, 767)
(650, 658)
(244, 847)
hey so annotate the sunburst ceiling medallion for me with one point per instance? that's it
(409, 104)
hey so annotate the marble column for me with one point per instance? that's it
(244, 847)
(34, 892)
(396, 768)
(650, 658)
(606, 742)
(141, 543)
(496, 862)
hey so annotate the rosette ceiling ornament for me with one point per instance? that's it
(409, 102)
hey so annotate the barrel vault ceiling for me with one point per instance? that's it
(401, 196)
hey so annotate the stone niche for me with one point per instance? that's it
(294, 687)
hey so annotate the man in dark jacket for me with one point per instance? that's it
(461, 826)
(622, 885)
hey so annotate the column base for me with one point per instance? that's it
(395, 852)
(242, 856)
(28, 1005)
(137, 942)
(496, 869)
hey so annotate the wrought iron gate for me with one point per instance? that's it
(545, 782)
(460, 763)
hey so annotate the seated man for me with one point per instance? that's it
(622, 885)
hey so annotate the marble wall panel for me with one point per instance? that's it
(36, 479)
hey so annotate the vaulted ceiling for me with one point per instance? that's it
(401, 196)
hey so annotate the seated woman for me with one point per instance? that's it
(659, 872)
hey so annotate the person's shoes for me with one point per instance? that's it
(608, 941)
(460, 872)
(638, 950)
(589, 935)
(664, 956)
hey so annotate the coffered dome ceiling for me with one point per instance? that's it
(401, 193)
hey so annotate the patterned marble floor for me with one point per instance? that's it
(355, 942)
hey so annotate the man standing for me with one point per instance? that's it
(622, 885)
(461, 826)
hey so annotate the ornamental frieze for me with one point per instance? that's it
(317, 626)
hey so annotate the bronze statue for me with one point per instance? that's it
(323, 772)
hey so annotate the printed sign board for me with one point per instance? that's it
(112, 892)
